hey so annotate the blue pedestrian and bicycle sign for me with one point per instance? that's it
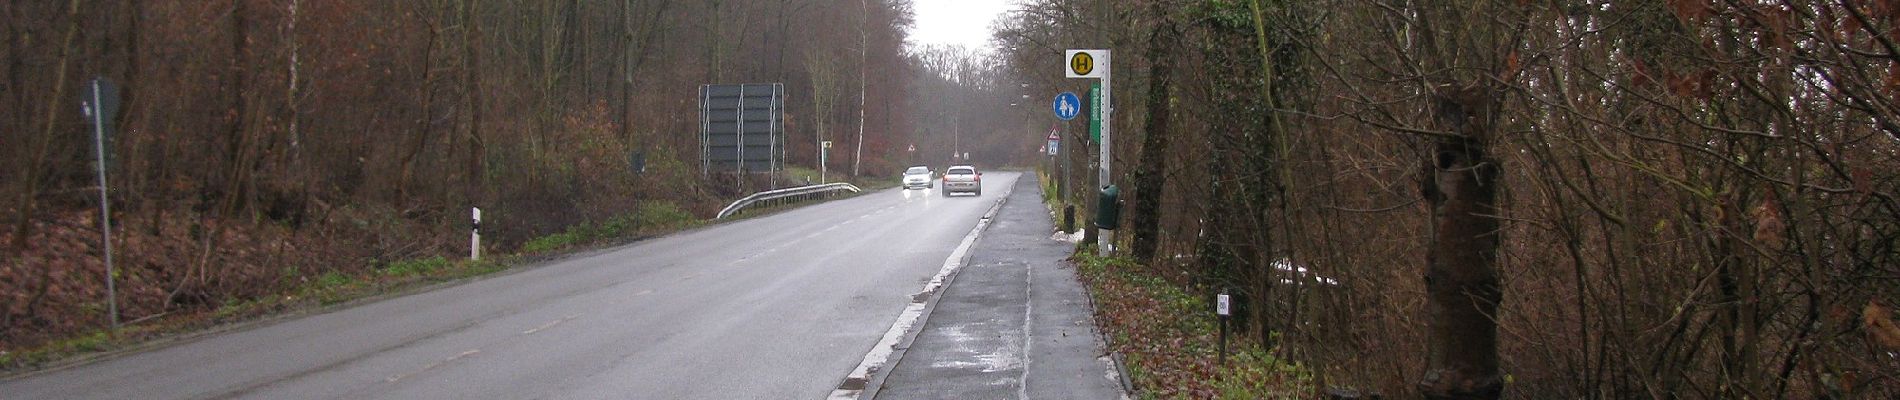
(1068, 106)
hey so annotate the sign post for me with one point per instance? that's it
(102, 105)
(824, 156)
(1221, 309)
(1095, 64)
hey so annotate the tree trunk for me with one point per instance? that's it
(863, 58)
(1154, 148)
(29, 187)
(1461, 280)
(626, 71)
(237, 143)
(413, 144)
(472, 86)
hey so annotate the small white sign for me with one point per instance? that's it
(1220, 305)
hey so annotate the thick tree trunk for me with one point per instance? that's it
(1461, 280)
(472, 86)
(1154, 148)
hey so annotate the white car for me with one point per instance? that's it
(918, 177)
(962, 178)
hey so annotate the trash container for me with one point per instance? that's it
(1108, 208)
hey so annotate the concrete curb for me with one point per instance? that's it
(868, 378)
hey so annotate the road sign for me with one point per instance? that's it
(1086, 63)
(1052, 146)
(1095, 113)
(912, 148)
(742, 128)
(1067, 106)
(1096, 64)
(827, 144)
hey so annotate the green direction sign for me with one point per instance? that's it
(1095, 112)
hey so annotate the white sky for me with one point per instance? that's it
(956, 22)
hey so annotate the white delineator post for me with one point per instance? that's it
(475, 236)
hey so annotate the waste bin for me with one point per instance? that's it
(1108, 208)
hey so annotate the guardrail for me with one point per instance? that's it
(784, 193)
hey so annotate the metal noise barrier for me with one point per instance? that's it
(784, 193)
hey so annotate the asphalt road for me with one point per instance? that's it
(1014, 324)
(779, 306)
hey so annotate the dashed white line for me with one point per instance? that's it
(550, 324)
(426, 368)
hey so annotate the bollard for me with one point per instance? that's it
(1068, 218)
(475, 236)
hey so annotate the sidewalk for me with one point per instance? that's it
(1014, 323)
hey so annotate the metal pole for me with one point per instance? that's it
(705, 127)
(771, 142)
(105, 203)
(739, 127)
(1221, 310)
(1104, 242)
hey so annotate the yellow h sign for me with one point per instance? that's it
(1087, 63)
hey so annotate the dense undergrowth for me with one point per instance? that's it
(1169, 339)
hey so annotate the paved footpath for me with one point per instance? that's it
(1013, 324)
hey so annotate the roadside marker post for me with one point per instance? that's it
(475, 236)
(1222, 309)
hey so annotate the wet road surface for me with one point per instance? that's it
(778, 306)
(1013, 324)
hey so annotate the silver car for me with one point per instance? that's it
(918, 177)
(962, 178)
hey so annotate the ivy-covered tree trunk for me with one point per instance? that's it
(1461, 280)
(1460, 185)
(1154, 147)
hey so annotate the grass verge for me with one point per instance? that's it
(1169, 339)
(310, 293)
(307, 293)
(651, 218)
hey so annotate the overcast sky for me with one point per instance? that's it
(954, 22)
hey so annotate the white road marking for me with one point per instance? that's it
(426, 368)
(1029, 330)
(550, 324)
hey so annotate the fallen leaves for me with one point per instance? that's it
(1170, 339)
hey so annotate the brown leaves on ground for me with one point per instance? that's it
(1169, 339)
